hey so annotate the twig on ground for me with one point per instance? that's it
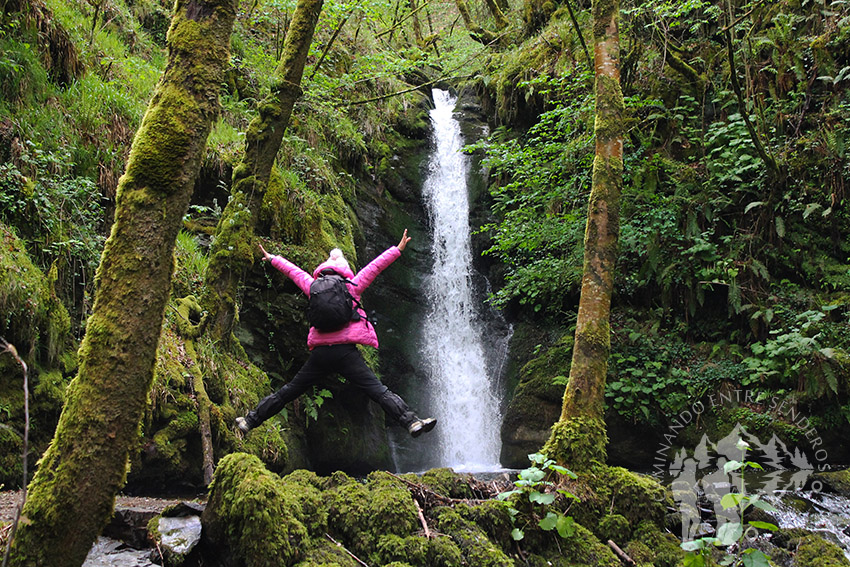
(621, 555)
(335, 542)
(422, 519)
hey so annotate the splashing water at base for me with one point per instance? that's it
(460, 370)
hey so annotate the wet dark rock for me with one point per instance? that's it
(129, 525)
(184, 508)
(111, 553)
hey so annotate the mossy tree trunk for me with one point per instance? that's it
(72, 494)
(417, 29)
(579, 437)
(233, 250)
(476, 32)
(498, 13)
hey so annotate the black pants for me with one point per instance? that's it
(345, 360)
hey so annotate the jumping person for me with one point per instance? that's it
(336, 350)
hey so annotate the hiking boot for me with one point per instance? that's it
(244, 425)
(420, 426)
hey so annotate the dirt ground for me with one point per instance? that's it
(9, 500)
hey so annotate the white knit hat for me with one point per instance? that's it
(337, 258)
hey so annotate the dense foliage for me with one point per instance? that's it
(732, 266)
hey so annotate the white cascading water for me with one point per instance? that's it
(462, 388)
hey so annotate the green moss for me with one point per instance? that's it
(583, 548)
(192, 317)
(33, 319)
(493, 517)
(536, 402)
(326, 554)
(614, 527)
(36, 323)
(253, 515)
(474, 545)
(358, 514)
(664, 546)
(417, 551)
(836, 481)
(814, 551)
(633, 496)
(446, 482)
(578, 442)
(170, 442)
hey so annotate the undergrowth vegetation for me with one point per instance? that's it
(732, 268)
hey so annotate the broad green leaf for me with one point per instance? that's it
(810, 208)
(752, 206)
(549, 522)
(731, 500)
(517, 534)
(729, 533)
(532, 474)
(565, 526)
(730, 466)
(559, 469)
(506, 495)
(694, 545)
(693, 560)
(756, 559)
(763, 525)
(780, 227)
(541, 498)
(569, 494)
(762, 505)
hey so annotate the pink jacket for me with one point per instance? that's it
(357, 332)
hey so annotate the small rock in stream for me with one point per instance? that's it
(111, 553)
(178, 537)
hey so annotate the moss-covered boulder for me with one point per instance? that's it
(809, 549)
(253, 515)
(633, 496)
(814, 551)
(476, 548)
(835, 481)
(536, 404)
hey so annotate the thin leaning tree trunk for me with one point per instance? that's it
(579, 437)
(72, 495)
(232, 252)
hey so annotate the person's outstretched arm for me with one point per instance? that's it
(367, 275)
(301, 278)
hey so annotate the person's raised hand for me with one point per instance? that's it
(404, 240)
(266, 255)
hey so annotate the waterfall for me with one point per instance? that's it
(460, 363)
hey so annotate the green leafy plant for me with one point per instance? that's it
(314, 401)
(796, 353)
(731, 535)
(534, 486)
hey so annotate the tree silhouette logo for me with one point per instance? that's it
(699, 479)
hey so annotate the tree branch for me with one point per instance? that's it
(330, 43)
(580, 35)
(736, 86)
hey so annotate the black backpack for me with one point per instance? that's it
(331, 306)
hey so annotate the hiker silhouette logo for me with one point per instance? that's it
(701, 477)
